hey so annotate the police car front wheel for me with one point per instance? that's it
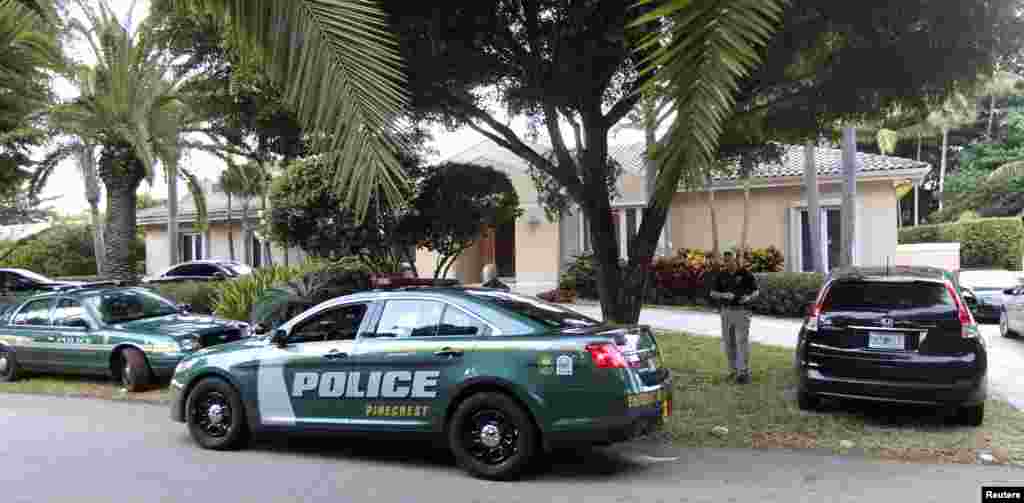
(491, 436)
(215, 416)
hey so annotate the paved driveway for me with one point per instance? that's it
(84, 451)
(1006, 356)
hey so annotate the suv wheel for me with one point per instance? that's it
(8, 366)
(973, 415)
(215, 417)
(491, 436)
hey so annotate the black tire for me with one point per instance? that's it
(807, 401)
(506, 423)
(134, 372)
(973, 415)
(220, 429)
(8, 365)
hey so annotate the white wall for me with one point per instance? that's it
(944, 255)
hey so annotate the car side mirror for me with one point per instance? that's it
(280, 338)
(260, 329)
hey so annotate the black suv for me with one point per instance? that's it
(900, 334)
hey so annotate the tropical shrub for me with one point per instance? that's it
(786, 293)
(236, 298)
(984, 242)
(581, 276)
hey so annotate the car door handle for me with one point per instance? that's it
(335, 355)
(449, 352)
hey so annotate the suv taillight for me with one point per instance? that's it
(606, 356)
(812, 319)
(968, 328)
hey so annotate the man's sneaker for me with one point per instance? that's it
(743, 379)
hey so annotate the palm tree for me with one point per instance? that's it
(131, 111)
(245, 181)
(229, 184)
(999, 85)
(954, 112)
(339, 67)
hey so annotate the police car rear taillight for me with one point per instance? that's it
(606, 356)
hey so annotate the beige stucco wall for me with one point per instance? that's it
(631, 189)
(771, 215)
(158, 255)
(537, 244)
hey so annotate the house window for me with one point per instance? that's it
(626, 224)
(830, 246)
(256, 252)
(190, 247)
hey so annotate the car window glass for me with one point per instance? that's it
(178, 271)
(337, 324)
(456, 322)
(410, 318)
(69, 313)
(854, 295)
(206, 270)
(36, 312)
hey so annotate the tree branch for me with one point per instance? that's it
(557, 142)
(622, 107)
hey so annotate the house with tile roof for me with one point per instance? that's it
(194, 244)
(531, 252)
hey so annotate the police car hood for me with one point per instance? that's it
(180, 326)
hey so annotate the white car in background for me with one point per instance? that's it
(998, 297)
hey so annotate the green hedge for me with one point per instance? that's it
(987, 242)
(786, 293)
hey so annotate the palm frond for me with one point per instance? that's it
(339, 67)
(1005, 173)
(712, 44)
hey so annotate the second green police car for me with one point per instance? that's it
(503, 377)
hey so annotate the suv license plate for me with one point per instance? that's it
(886, 340)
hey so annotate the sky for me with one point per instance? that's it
(66, 183)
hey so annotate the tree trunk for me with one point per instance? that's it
(748, 171)
(246, 238)
(120, 228)
(172, 213)
(919, 135)
(714, 220)
(813, 208)
(991, 115)
(268, 252)
(87, 165)
(849, 209)
(942, 164)
(231, 232)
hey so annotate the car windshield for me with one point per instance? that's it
(238, 269)
(885, 295)
(535, 309)
(130, 305)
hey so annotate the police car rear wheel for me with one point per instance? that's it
(215, 416)
(491, 436)
(8, 366)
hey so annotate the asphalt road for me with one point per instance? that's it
(1006, 356)
(83, 451)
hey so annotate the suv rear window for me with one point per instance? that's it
(854, 295)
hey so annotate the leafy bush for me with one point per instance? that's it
(59, 251)
(786, 293)
(764, 259)
(235, 299)
(202, 295)
(985, 242)
(299, 287)
(581, 276)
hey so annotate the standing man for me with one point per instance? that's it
(734, 288)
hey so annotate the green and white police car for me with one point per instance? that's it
(502, 377)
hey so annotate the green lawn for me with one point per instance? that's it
(764, 413)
